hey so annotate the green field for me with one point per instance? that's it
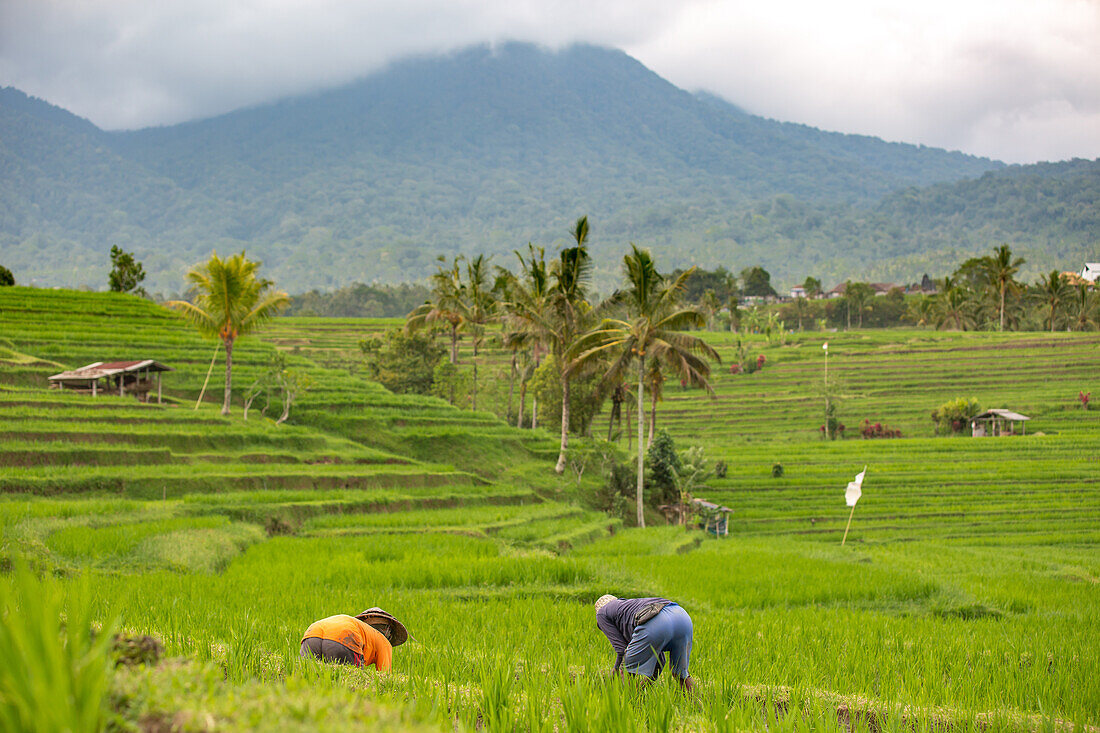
(967, 596)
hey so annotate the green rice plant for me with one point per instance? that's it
(55, 669)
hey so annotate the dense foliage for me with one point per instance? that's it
(402, 363)
(126, 273)
(359, 300)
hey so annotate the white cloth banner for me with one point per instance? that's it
(855, 488)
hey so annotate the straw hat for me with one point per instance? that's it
(398, 633)
(603, 601)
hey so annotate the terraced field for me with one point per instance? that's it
(965, 598)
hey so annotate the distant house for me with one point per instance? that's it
(798, 292)
(137, 378)
(883, 288)
(998, 422)
(1090, 271)
(876, 288)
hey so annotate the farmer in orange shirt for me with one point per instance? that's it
(361, 640)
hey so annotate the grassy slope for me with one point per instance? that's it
(969, 585)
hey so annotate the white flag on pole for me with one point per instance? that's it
(855, 488)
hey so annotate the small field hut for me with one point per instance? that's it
(992, 423)
(137, 378)
(713, 518)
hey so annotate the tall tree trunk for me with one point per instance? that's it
(522, 403)
(454, 347)
(560, 467)
(475, 375)
(652, 417)
(849, 305)
(1002, 306)
(629, 433)
(534, 412)
(641, 453)
(228, 375)
(511, 383)
(616, 412)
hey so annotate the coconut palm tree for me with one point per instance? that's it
(478, 305)
(445, 306)
(569, 310)
(1083, 307)
(1001, 270)
(229, 302)
(1052, 291)
(953, 305)
(651, 331)
(526, 308)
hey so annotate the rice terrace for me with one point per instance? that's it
(965, 596)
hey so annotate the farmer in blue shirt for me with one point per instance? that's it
(641, 630)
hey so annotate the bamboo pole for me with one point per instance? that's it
(848, 525)
(202, 392)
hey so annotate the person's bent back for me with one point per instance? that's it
(347, 640)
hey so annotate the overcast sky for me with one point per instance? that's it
(1017, 80)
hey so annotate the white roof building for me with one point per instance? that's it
(1091, 271)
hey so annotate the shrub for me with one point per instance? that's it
(835, 431)
(403, 363)
(878, 430)
(952, 417)
(777, 470)
(6, 278)
(661, 464)
(720, 469)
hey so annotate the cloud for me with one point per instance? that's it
(1014, 79)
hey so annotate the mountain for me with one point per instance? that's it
(482, 150)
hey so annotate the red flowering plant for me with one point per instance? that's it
(878, 430)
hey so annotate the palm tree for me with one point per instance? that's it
(1001, 269)
(953, 305)
(1084, 307)
(568, 309)
(526, 316)
(478, 306)
(229, 302)
(1052, 291)
(652, 333)
(858, 295)
(444, 307)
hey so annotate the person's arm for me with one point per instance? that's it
(618, 643)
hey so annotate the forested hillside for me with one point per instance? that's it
(487, 149)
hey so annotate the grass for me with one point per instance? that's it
(965, 598)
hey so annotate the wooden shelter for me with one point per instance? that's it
(998, 422)
(138, 378)
(713, 518)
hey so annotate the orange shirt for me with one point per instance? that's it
(360, 637)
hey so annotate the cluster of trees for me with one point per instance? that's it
(984, 294)
(564, 346)
(359, 301)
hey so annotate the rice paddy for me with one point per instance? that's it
(967, 596)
